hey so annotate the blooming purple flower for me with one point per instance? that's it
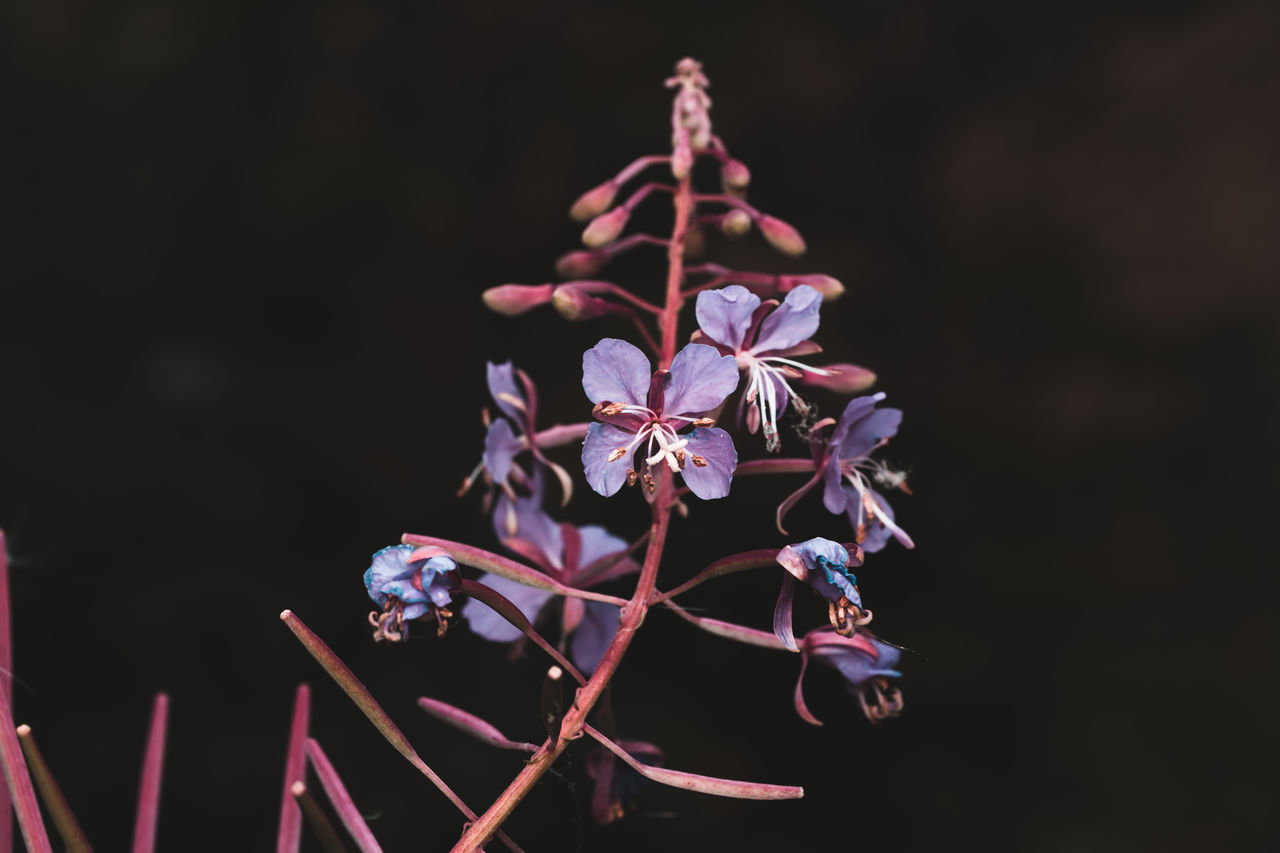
(823, 565)
(409, 583)
(866, 664)
(575, 556)
(843, 460)
(763, 337)
(642, 407)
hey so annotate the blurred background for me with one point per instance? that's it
(242, 347)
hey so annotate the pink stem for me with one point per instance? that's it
(289, 836)
(24, 795)
(148, 813)
(507, 610)
(614, 290)
(342, 802)
(639, 166)
(761, 559)
(643, 193)
(775, 466)
(55, 802)
(731, 201)
(6, 687)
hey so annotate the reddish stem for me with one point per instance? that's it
(6, 687)
(148, 813)
(289, 836)
(634, 612)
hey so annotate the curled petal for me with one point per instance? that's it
(835, 495)
(793, 498)
(801, 708)
(617, 372)
(724, 314)
(605, 470)
(782, 622)
(795, 320)
(715, 447)
(700, 380)
(491, 625)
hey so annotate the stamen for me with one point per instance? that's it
(680, 457)
(698, 461)
(704, 422)
(631, 476)
(618, 453)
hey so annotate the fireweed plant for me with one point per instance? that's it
(668, 415)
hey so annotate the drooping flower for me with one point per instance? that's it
(508, 437)
(866, 663)
(408, 584)
(575, 556)
(614, 785)
(764, 338)
(641, 407)
(842, 458)
(823, 565)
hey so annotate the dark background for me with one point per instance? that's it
(242, 348)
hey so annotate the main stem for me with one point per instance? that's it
(479, 833)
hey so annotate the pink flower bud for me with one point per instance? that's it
(573, 304)
(841, 378)
(605, 228)
(581, 264)
(593, 202)
(782, 236)
(735, 175)
(513, 299)
(682, 158)
(829, 287)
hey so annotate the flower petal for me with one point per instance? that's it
(500, 448)
(866, 433)
(795, 320)
(593, 635)
(801, 708)
(834, 497)
(486, 621)
(716, 447)
(700, 380)
(389, 565)
(856, 410)
(782, 622)
(880, 525)
(532, 525)
(616, 371)
(597, 543)
(602, 440)
(724, 314)
(501, 379)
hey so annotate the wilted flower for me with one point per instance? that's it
(639, 406)
(409, 584)
(824, 565)
(574, 556)
(614, 785)
(866, 664)
(843, 460)
(763, 337)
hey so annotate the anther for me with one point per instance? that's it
(608, 409)
(698, 461)
(631, 476)
(618, 453)
(680, 458)
(704, 422)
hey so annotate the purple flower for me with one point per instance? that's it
(641, 407)
(409, 584)
(823, 565)
(614, 785)
(866, 664)
(574, 556)
(763, 337)
(508, 437)
(843, 460)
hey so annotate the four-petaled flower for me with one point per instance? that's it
(409, 583)
(866, 663)
(843, 460)
(763, 337)
(575, 556)
(641, 407)
(824, 565)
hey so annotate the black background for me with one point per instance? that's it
(242, 348)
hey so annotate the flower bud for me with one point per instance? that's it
(829, 287)
(606, 227)
(735, 175)
(782, 236)
(682, 158)
(735, 223)
(576, 305)
(841, 378)
(580, 264)
(513, 299)
(594, 202)
(695, 240)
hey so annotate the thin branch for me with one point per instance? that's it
(147, 814)
(341, 800)
(504, 608)
(745, 561)
(478, 728)
(319, 822)
(289, 835)
(24, 795)
(64, 820)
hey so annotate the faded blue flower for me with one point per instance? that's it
(409, 583)
(823, 565)
(578, 557)
(866, 663)
(764, 338)
(642, 408)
